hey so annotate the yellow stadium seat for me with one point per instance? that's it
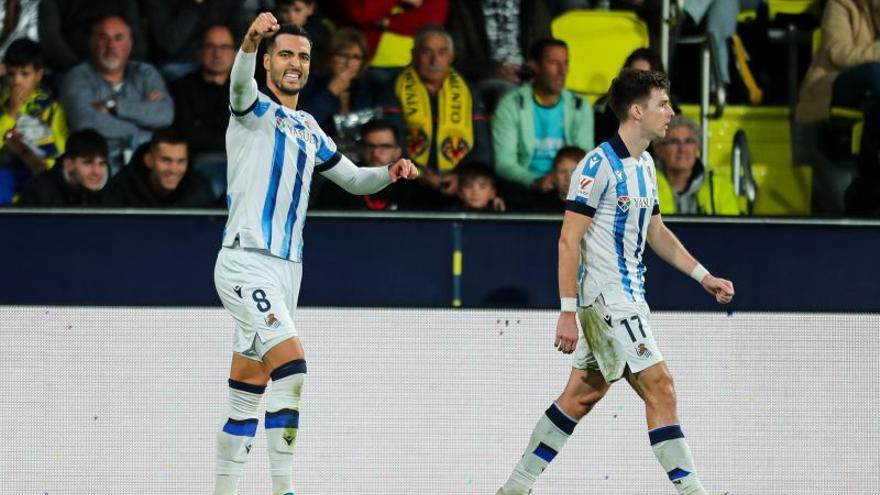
(791, 7)
(782, 187)
(598, 43)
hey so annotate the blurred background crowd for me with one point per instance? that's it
(125, 102)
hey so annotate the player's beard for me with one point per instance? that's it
(279, 83)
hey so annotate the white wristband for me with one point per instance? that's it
(568, 304)
(699, 273)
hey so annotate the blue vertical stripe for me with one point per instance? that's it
(274, 180)
(620, 218)
(294, 202)
(643, 191)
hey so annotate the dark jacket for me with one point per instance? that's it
(467, 26)
(201, 113)
(176, 26)
(51, 188)
(131, 188)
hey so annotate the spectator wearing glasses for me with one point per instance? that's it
(341, 97)
(201, 102)
(684, 185)
(379, 146)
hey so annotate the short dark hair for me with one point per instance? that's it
(85, 143)
(292, 29)
(572, 153)
(536, 51)
(376, 125)
(207, 29)
(168, 135)
(23, 52)
(646, 54)
(632, 85)
(470, 171)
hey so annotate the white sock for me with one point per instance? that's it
(282, 422)
(548, 438)
(674, 455)
(234, 440)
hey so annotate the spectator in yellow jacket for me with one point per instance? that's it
(33, 128)
(684, 185)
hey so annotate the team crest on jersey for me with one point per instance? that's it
(272, 321)
(627, 202)
(643, 352)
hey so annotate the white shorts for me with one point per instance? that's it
(614, 338)
(260, 291)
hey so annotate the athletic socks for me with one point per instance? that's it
(674, 455)
(282, 422)
(235, 439)
(548, 438)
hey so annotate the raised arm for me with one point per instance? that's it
(242, 86)
(672, 251)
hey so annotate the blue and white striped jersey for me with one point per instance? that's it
(272, 152)
(619, 192)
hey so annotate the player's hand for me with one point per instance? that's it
(566, 333)
(449, 184)
(264, 25)
(720, 288)
(403, 169)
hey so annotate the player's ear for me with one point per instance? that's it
(149, 159)
(67, 163)
(636, 111)
(266, 59)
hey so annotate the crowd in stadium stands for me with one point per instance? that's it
(143, 86)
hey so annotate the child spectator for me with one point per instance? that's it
(564, 163)
(33, 128)
(478, 190)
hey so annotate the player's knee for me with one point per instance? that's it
(282, 409)
(580, 401)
